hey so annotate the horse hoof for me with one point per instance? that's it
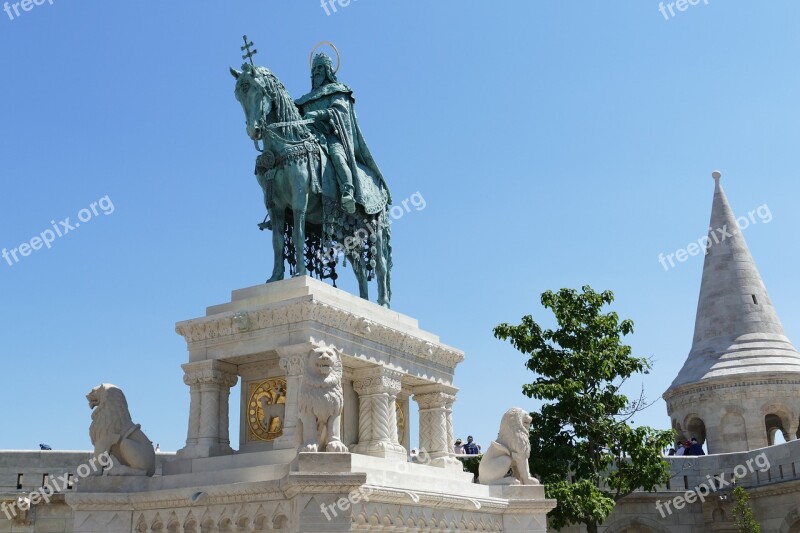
(275, 278)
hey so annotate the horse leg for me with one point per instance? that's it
(382, 267)
(360, 271)
(278, 218)
(299, 234)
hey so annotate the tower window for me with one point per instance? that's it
(755, 301)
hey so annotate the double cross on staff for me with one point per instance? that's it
(249, 55)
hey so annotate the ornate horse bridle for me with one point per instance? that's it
(268, 127)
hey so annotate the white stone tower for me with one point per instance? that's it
(740, 384)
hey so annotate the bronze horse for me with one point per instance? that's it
(292, 169)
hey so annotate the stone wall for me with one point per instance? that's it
(771, 477)
(24, 472)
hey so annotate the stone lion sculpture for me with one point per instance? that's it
(321, 401)
(114, 434)
(511, 450)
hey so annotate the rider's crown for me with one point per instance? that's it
(322, 59)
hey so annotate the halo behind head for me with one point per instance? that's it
(321, 43)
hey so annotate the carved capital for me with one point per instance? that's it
(434, 400)
(292, 365)
(377, 380)
(292, 358)
(210, 373)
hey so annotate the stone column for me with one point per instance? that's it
(194, 415)
(448, 407)
(292, 359)
(209, 384)
(377, 388)
(435, 422)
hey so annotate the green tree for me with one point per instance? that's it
(742, 514)
(582, 444)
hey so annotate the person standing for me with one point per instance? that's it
(458, 449)
(470, 448)
(687, 447)
(696, 448)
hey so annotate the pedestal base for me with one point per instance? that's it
(384, 450)
(322, 492)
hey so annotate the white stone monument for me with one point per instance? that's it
(272, 338)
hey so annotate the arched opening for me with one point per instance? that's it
(243, 524)
(260, 523)
(207, 526)
(696, 429)
(280, 522)
(774, 426)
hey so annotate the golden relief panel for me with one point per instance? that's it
(401, 420)
(266, 408)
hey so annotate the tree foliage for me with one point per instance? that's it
(743, 514)
(582, 444)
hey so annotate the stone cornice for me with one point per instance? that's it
(729, 383)
(300, 482)
(378, 494)
(230, 324)
(237, 493)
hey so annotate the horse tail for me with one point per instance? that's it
(387, 254)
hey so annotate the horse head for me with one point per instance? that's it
(252, 92)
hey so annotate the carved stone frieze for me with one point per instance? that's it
(225, 325)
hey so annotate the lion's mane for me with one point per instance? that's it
(111, 416)
(514, 431)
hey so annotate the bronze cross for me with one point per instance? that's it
(249, 55)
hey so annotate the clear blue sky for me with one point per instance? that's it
(555, 143)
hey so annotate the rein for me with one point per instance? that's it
(270, 128)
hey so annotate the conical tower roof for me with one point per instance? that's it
(737, 331)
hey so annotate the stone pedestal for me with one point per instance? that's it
(266, 331)
(264, 336)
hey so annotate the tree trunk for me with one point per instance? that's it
(591, 527)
